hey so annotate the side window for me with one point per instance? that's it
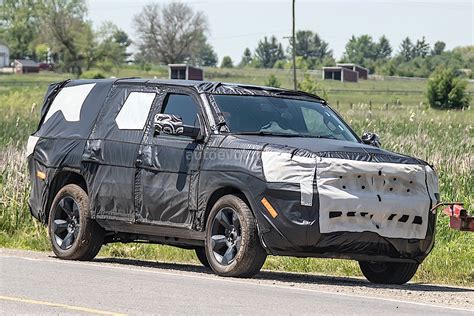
(183, 106)
(135, 110)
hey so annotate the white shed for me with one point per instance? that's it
(4, 55)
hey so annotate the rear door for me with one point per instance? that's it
(111, 151)
(168, 165)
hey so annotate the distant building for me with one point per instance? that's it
(340, 74)
(362, 71)
(4, 55)
(185, 72)
(23, 66)
(345, 73)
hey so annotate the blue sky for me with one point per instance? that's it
(235, 25)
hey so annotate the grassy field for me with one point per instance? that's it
(444, 138)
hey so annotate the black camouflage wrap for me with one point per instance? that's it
(150, 186)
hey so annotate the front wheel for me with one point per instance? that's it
(201, 255)
(388, 272)
(232, 244)
(74, 235)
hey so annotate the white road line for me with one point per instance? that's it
(107, 265)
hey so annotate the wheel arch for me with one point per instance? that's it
(61, 179)
(226, 190)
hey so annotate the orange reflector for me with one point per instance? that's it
(269, 208)
(41, 175)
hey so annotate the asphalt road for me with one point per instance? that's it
(39, 283)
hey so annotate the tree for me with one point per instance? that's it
(421, 49)
(246, 58)
(19, 26)
(438, 48)
(169, 34)
(64, 28)
(227, 62)
(446, 91)
(111, 47)
(206, 56)
(268, 52)
(358, 49)
(41, 52)
(309, 45)
(384, 50)
(406, 49)
(273, 81)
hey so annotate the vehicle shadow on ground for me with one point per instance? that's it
(289, 278)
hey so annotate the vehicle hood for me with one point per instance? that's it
(332, 148)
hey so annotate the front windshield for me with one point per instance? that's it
(263, 115)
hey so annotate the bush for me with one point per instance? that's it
(446, 90)
(310, 85)
(92, 74)
(273, 81)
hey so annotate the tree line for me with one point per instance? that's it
(175, 33)
(58, 30)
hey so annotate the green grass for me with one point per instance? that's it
(444, 138)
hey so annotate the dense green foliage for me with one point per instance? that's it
(446, 91)
(444, 138)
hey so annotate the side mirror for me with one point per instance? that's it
(371, 139)
(173, 125)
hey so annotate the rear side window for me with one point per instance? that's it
(135, 110)
(183, 106)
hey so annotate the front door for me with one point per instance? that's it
(168, 166)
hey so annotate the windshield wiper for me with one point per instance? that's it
(265, 133)
(318, 136)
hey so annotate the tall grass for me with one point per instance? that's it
(443, 138)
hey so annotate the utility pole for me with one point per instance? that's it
(294, 49)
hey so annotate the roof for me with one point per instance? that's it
(350, 64)
(183, 66)
(338, 68)
(211, 87)
(27, 62)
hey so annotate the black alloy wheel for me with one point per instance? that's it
(66, 223)
(226, 236)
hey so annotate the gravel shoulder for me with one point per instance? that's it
(430, 294)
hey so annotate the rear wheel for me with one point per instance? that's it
(232, 244)
(73, 234)
(388, 272)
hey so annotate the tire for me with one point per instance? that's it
(232, 244)
(201, 255)
(388, 272)
(73, 234)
